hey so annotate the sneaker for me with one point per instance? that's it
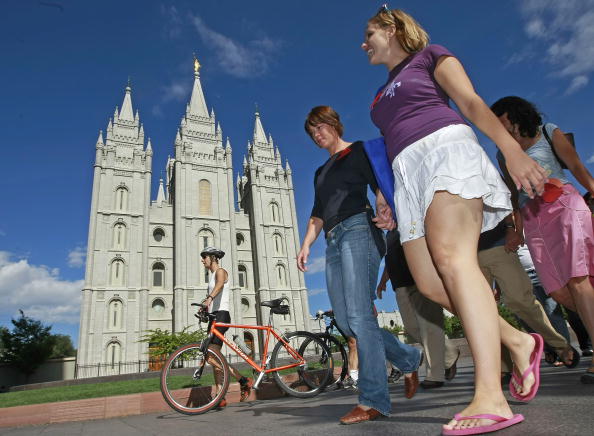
(349, 383)
(394, 376)
(245, 388)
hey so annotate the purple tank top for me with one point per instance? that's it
(412, 105)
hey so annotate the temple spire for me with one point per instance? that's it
(126, 113)
(259, 135)
(161, 192)
(197, 102)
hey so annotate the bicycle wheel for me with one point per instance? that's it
(341, 359)
(188, 383)
(309, 378)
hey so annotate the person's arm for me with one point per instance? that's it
(567, 154)
(220, 279)
(513, 239)
(524, 171)
(381, 286)
(314, 226)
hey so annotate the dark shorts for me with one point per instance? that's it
(222, 316)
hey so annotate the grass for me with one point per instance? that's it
(81, 392)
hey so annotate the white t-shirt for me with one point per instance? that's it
(221, 301)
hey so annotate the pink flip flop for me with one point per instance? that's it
(500, 423)
(534, 367)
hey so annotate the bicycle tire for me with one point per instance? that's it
(308, 380)
(179, 386)
(330, 341)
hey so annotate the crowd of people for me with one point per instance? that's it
(455, 226)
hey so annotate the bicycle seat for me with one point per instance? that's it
(272, 303)
(276, 306)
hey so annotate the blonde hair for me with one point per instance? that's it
(409, 33)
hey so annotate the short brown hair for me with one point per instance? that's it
(323, 115)
(410, 34)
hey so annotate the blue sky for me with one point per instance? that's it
(65, 64)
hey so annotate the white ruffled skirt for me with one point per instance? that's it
(449, 159)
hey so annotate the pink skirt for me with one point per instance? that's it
(560, 238)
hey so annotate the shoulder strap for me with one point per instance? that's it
(549, 140)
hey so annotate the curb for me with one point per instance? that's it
(112, 407)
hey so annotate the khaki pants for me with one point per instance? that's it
(423, 321)
(516, 291)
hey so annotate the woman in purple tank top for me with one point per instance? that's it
(447, 192)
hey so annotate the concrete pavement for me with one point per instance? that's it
(563, 407)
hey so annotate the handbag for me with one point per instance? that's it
(569, 137)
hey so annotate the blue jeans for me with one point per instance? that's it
(352, 265)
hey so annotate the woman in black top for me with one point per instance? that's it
(355, 248)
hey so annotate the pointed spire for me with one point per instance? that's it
(197, 101)
(161, 192)
(100, 139)
(212, 113)
(149, 146)
(259, 135)
(126, 113)
(228, 145)
(136, 116)
(287, 167)
(141, 131)
(177, 137)
(244, 162)
(115, 114)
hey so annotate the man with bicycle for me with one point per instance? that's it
(217, 302)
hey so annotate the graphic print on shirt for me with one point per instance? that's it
(391, 88)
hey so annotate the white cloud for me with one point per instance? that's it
(316, 291)
(235, 58)
(38, 291)
(316, 265)
(177, 90)
(590, 159)
(566, 28)
(577, 83)
(76, 257)
(173, 23)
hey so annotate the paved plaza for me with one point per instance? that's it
(563, 407)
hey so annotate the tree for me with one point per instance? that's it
(162, 343)
(62, 347)
(28, 345)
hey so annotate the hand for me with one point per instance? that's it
(381, 287)
(512, 240)
(526, 173)
(384, 219)
(384, 223)
(302, 258)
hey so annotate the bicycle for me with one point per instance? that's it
(335, 345)
(301, 364)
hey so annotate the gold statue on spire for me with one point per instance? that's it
(196, 64)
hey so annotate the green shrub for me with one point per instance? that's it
(453, 327)
(163, 343)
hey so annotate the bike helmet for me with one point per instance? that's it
(212, 251)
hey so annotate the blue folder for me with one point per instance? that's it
(378, 158)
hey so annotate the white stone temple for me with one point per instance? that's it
(143, 260)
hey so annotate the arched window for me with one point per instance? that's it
(205, 239)
(274, 212)
(117, 273)
(113, 354)
(119, 236)
(239, 239)
(245, 304)
(158, 275)
(158, 305)
(158, 234)
(277, 241)
(204, 198)
(242, 276)
(121, 198)
(281, 275)
(115, 315)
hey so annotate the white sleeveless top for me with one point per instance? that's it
(221, 301)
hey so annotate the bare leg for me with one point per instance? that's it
(578, 296)
(452, 229)
(353, 356)
(218, 370)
